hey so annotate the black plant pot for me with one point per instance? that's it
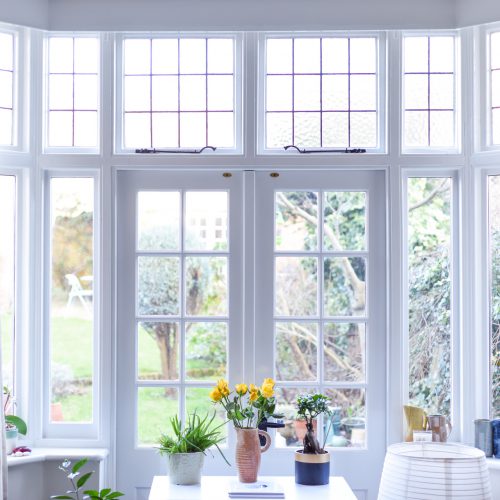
(312, 469)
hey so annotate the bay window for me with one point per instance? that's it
(7, 85)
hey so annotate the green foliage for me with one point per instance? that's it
(18, 422)
(78, 481)
(198, 435)
(310, 406)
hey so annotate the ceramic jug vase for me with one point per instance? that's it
(248, 451)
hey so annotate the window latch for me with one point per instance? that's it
(185, 151)
(307, 151)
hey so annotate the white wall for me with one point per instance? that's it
(32, 13)
(249, 14)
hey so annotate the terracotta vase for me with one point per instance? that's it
(248, 451)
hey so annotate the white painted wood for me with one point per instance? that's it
(162, 489)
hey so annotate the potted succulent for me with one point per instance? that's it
(186, 449)
(14, 425)
(312, 463)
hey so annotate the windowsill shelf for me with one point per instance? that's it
(493, 463)
(46, 454)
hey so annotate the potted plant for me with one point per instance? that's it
(312, 463)
(186, 449)
(14, 425)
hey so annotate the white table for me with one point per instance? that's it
(216, 488)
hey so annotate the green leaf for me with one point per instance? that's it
(92, 493)
(105, 491)
(116, 494)
(83, 479)
(79, 465)
(20, 424)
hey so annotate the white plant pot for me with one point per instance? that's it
(10, 440)
(185, 468)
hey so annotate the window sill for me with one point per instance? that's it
(46, 454)
(493, 463)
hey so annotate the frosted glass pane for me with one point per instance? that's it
(165, 56)
(6, 127)
(61, 92)
(301, 275)
(221, 130)
(6, 51)
(165, 130)
(278, 130)
(307, 93)
(363, 55)
(279, 55)
(290, 340)
(158, 220)
(442, 92)
(193, 129)
(363, 130)
(205, 222)
(495, 126)
(137, 133)
(416, 88)
(165, 93)
(137, 56)
(307, 55)
(416, 54)
(293, 232)
(137, 93)
(5, 89)
(495, 50)
(60, 55)
(307, 129)
(60, 128)
(220, 55)
(335, 130)
(192, 55)
(335, 56)
(416, 129)
(442, 54)
(335, 92)
(86, 55)
(86, 129)
(442, 129)
(363, 92)
(495, 88)
(193, 93)
(220, 93)
(279, 93)
(86, 92)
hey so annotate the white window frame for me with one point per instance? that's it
(430, 150)
(71, 150)
(119, 147)
(484, 87)
(64, 430)
(456, 278)
(382, 81)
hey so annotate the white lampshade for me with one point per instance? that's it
(434, 471)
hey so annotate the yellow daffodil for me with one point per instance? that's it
(267, 390)
(241, 389)
(253, 388)
(223, 387)
(269, 381)
(253, 396)
(216, 395)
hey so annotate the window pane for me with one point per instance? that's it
(429, 92)
(494, 85)
(6, 89)
(494, 251)
(5, 126)
(189, 78)
(155, 407)
(198, 400)
(429, 293)
(73, 88)
(8, 277)
(206, 220)
(6, 52)
(296, 221)
(72, 306)
(306, 89)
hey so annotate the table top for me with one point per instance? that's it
(216, 488)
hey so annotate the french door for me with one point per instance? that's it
(249, 275)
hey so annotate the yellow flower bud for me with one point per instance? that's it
(215, 395)
(269, 381)
(223, 387)
(267, 390)
(241, 389)
(253, 395)
(253, 388)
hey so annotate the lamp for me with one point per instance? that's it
(434, 471)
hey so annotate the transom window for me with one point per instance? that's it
(495, 87)
(322, 92)
(73, 92)
(178, 93)
(429, 97)
(6, 89)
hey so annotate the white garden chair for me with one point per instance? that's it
(78, 292)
